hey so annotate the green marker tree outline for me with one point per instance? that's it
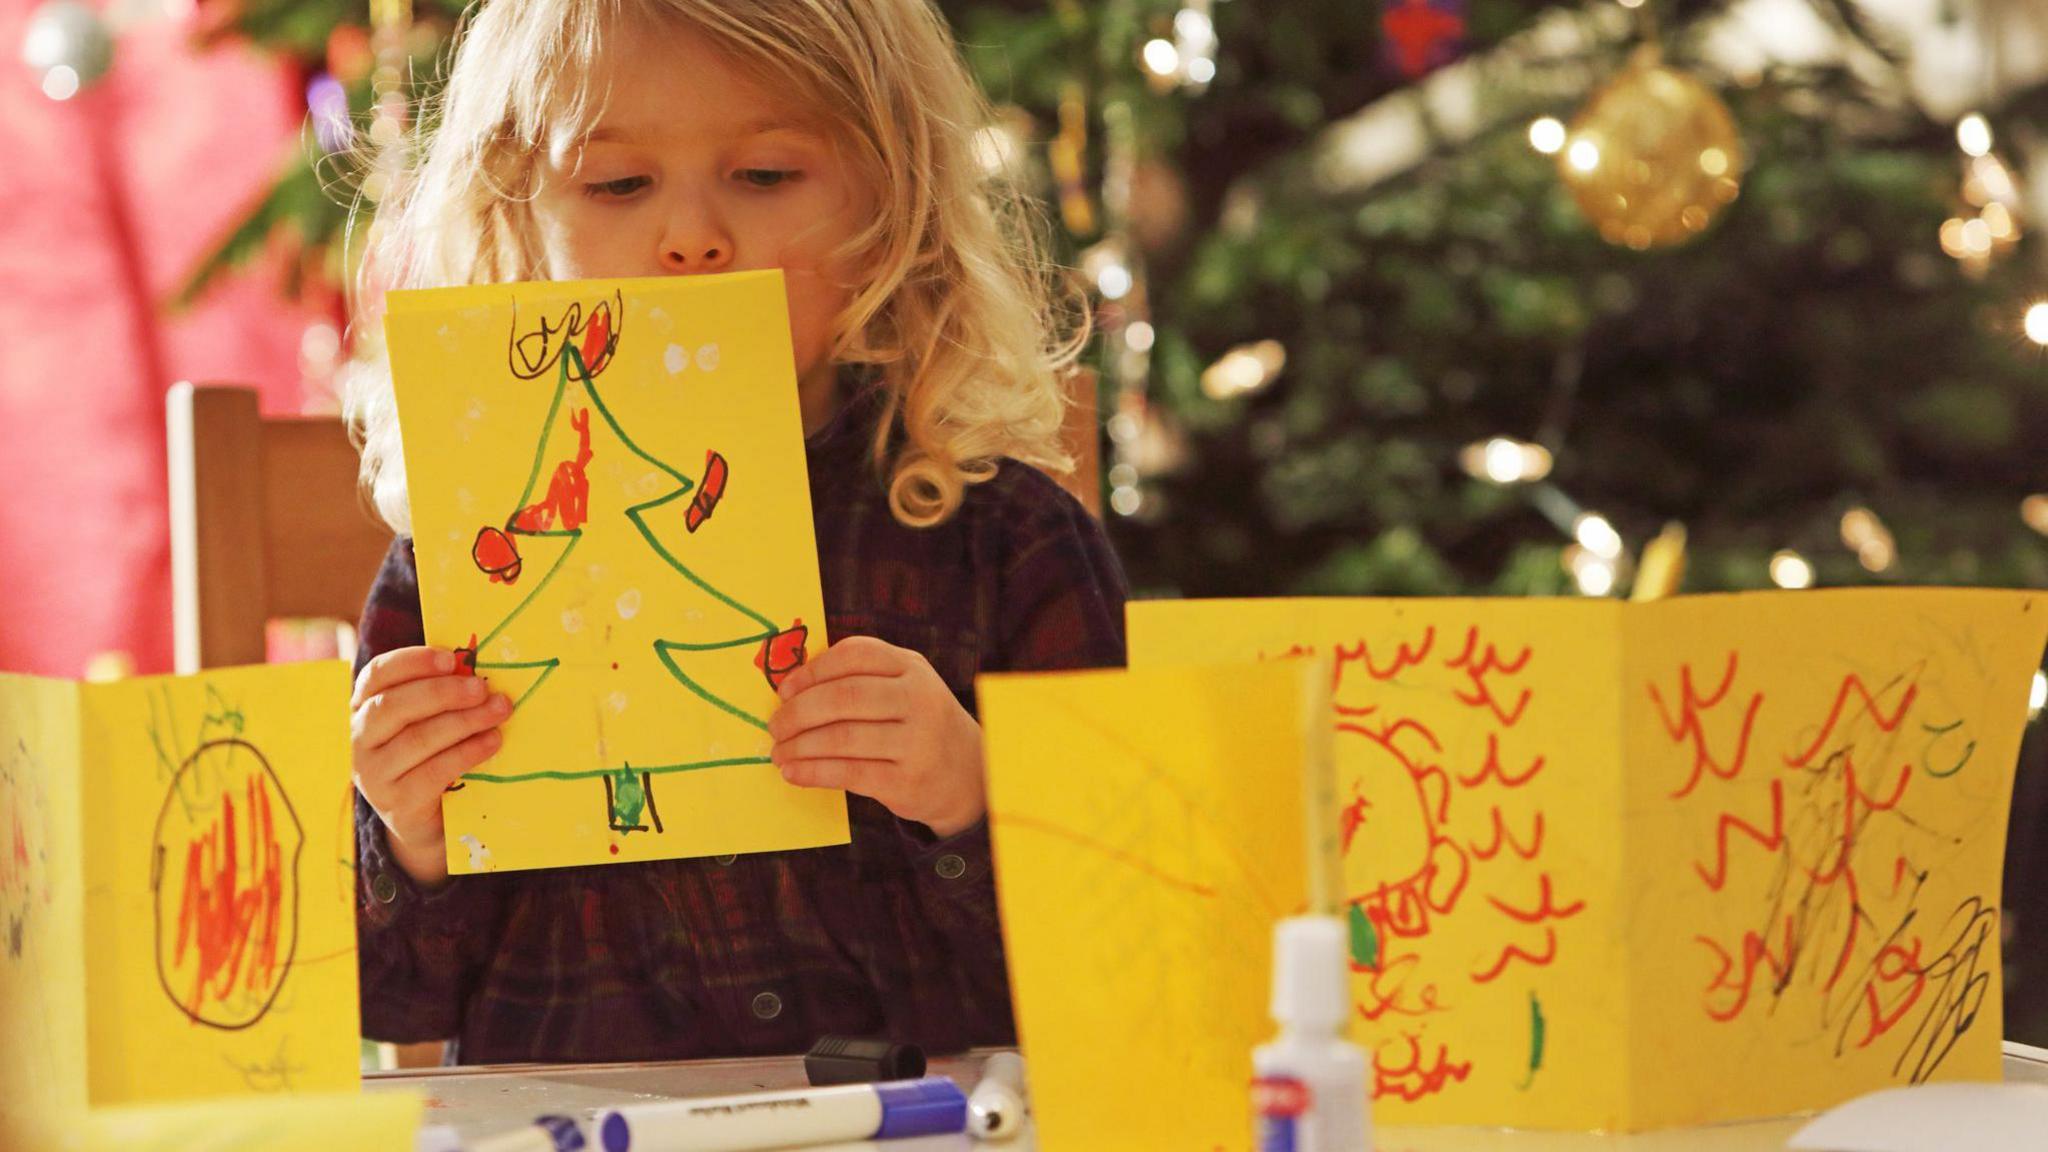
(629, 795)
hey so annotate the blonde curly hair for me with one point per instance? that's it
(958, 313)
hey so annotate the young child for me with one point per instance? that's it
(830, 139)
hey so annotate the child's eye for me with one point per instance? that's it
(615, 189)
(765, 177)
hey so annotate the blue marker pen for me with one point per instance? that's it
(885, 1111)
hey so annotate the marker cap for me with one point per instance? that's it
(926, 1107)
(861, 1060)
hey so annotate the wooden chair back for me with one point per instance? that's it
(267, 523)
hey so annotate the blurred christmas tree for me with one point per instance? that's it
(1357, 335)
(1369, 342)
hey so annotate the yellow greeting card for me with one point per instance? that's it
(1148, 831)
(181, 882)
(1632, 866)
(303, 1122)
(42, 913)
(612, 523)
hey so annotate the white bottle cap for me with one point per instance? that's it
(1311, 974)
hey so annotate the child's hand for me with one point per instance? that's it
(875, 719)
(417, 727)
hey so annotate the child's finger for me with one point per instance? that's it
(853, 656)
(386, 714)
(854, 739)
(449, 766)
(848, 698)
(427, 739)
(856, 776)
(398, 666)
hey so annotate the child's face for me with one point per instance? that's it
(693, 168)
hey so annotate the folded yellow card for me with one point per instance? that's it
(612, 522)
(1633, 866)
(178, 886)
(302, 1122)
(1148, 831)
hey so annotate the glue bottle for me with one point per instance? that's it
(1308, 1087)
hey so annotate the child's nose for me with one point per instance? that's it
(696, 240)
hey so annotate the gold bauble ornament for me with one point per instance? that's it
(1653, 157)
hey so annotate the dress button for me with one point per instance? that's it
(726, 860)
(950, 867)
(384, 888)
(767, 1006)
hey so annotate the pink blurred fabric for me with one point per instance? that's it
(107, 201)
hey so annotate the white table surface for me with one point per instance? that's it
(480, 1102)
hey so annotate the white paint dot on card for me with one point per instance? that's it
(572, 621)
(675, 359)
(598, 573)
(475, 411)
(629, 603)
(479, 856)
(465, 500)
(707, 358)
(616, 701)
(693, 616)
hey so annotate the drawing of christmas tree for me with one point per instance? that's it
(648, 502)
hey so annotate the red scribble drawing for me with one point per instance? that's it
(710, 491)
(1514, 952)
(496, 555)
(1405, 656)
(1446, 848)
(1414, 1078)
(1853, 683)
(1755, 953)
(1899, 966)
(598, 345)
(25, 879)
(1546, 907)
(465, 657)
(225, 879)
(783, 653)
(1503, 838)
(1480, 694)
(1687, 724)
(1388, 988)
(1717, 877)
(1810, 945)
(1491, 768)
(568, 499)
(1427, 870)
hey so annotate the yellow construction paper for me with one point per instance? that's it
(200, 837)
(220, 883)
(1576, 833)
(1468, 883)
(611, 511)
(303, 1122)
(42, 917)
(1818, 797)
(1148, 832)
